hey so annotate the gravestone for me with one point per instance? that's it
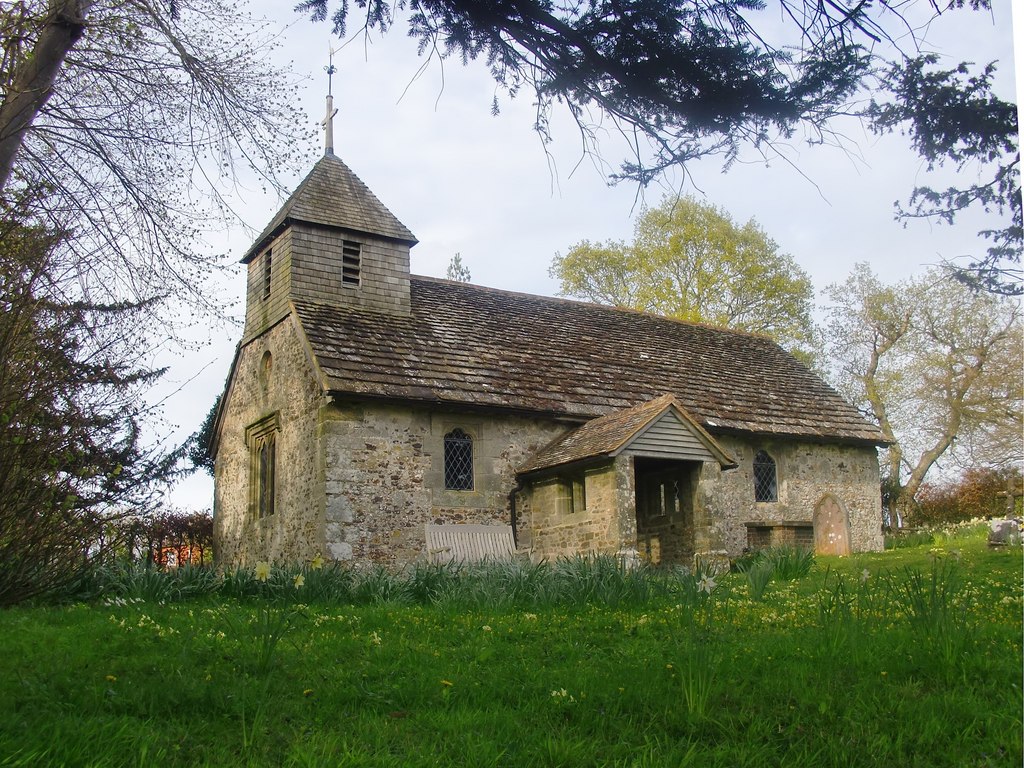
(1003, 532)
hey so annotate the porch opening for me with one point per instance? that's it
(665, 494)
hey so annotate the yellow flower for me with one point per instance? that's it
(308, 692)
(262, 570)
(299, 580)
(111, 678)
(317, 563)
(447, 683)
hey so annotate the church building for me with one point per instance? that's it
(373, 416)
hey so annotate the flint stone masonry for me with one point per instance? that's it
(806, 472)
(384, 466)
(723, 506)
(272, 375)
(558, 532)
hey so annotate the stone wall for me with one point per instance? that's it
(805, 473)
(357, 480)
(384, 468)
(559, 530)
(722, 505)
(272, 375)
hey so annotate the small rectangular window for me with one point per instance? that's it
(266, 274)
(458, 461)
(571, 496)
(579, 494)
(350, 257)
(766, 487)
(669, 497)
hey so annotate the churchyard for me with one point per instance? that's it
(908, 657)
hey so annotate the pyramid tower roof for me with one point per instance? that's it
(332, 195)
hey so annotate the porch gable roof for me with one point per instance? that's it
(610, 435)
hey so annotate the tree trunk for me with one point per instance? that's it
(32, 83)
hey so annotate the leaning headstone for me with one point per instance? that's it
(1003, 532)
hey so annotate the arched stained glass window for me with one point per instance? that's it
(765, 484)
(458, 461)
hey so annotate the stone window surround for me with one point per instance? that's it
(261, 436)
(440, 425)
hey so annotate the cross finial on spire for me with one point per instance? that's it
(328, 122)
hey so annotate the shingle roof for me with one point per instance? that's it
(332, 195)
(471, 346)
(610, 434)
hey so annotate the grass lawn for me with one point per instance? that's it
(905, 658)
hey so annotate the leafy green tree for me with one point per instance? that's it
(689, 260)
(954, 119)
(71, 458)
(935, 364)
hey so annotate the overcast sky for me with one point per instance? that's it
(467, 182)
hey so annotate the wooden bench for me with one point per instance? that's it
(468, 543)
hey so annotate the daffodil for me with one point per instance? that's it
(262, 570)
(706, 584)
(317, 563)
(299, 580)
